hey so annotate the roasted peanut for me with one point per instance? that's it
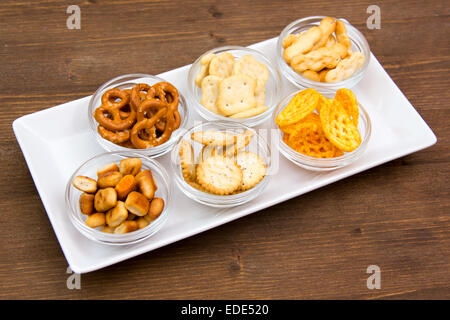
(107, 229)
(126, 226)
(125, 186)
(148, 173)
(86, 203)
(96, 220)
(116, 215)
(105, 199)
(107, 168)
(137, 203)
(85, 184)
(142, 223)
(155, 209)
(146, 184)
(130, 166)
(131, 216)
(110, 179)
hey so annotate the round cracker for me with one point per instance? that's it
(187, 160)
(219, 175)
(253, 169)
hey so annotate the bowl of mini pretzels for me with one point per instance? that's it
(137, 112)
(221, 163)
(323, 53)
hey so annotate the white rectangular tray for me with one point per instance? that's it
(57, 140)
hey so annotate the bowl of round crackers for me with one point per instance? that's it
(221, 163)
(322, 132)
(323, 53)
(234, 83)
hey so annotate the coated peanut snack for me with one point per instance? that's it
(122, 199)
(320, 127)
(232, 88)
(322, 53)
(223, 166)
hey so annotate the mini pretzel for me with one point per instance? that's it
(109, 114)
(167, 93)
(149, 124)
(137, 93)
(115, 137)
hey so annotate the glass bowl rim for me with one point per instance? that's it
(308, 83)
(127, 238)
(319, 162)
(273, 70)
(213, 197)
(158, 150)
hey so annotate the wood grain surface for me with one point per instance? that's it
(312, 247)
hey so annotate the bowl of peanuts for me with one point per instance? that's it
(323, 53)
(119, 198)
(233, 83)
(137, 112)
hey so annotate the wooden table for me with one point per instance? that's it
(318, 245)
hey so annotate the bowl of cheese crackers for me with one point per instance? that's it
(323, 53)
(221, 163)
(234, 84)
(322, 132)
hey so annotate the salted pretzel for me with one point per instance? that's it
(139, 117)
(115, 115)
(166, 92)
(114, 136)
(149, 125)
(138, 93)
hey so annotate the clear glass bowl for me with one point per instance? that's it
(257, 145)
(126, 82)
(359, 43)
(273, 86)
(89, 169)
(323, 164)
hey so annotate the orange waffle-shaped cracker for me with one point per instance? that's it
(338, 126)
(289, 129)
(309, 139)
(302, 104)
(349, 102)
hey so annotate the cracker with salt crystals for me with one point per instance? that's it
(187, 160)
(253, 169)
(242, 140)
(216, 138)
(250, 66)
(236, 94)
(210, 91)
(219, 175)
(221, 65)
(204, 68)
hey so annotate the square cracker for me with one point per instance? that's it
(210, 91)
(222, 65)
(204, 68)
(250, 66)
(236, 94)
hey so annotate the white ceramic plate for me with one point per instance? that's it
(56, 141)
